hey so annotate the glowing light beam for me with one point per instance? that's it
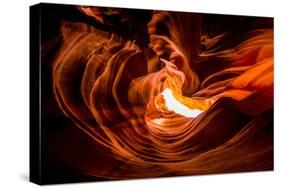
(173, 104)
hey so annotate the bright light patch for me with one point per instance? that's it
(173, 104)
(158, 121)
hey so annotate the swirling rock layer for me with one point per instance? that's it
(120, 89)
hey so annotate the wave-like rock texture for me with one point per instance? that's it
(111, 84)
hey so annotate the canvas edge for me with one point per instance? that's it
(35, 173)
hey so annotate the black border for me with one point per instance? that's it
(34, 96)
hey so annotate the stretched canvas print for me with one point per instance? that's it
(120, 93)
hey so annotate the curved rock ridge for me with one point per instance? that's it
(153, 111)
